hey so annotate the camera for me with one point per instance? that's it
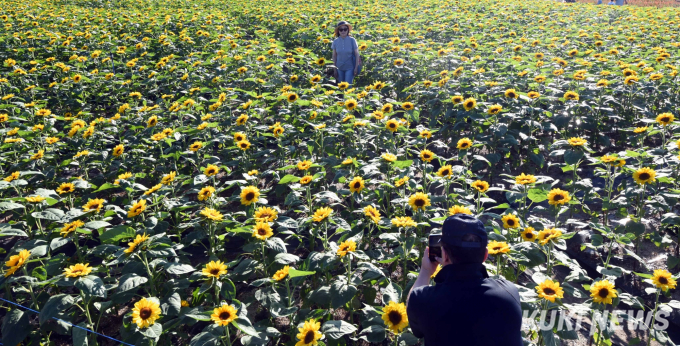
(435, 246)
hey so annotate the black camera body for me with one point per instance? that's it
(435, 246)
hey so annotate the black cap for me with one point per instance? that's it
(458, 225)
(344, 22)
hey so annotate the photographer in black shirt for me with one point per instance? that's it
(465, 307)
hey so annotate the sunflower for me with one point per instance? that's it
(35, 199)
(77, 270)
(394, 316)
(469, 104)
(425, 134)
(262, 231)
(528, 234)
(66, 188)
(356, 185)
(372, 213)
(195, 146)
(211, 170)
(570, 95)
(401, 181)
(388, 157)
(93, 204)
(392, 125)
(250, 195)
(524, 179)
(663, 279)
(153, 121)
(145, 313)
(665, 119)
(306, 179)
(214, 269)
(498, 247)
(558, 197)
(351, 104)
(266, 214)
(577, 141)
(321, 214)
(403, 221)
(245, 144)
(15, 262)
(547, 235)
(223, 315)
(345, 247)
(480, 186)
(407, 106)
(309, 333)
(602, 292)
(550, 290)
(238, 136)
(459, 209)
(419, 201)
(16, 175)
(137, 208)
(445, 171)
(398, 62)
(70, 227)
(644, 175)
(304, 165)
(241, 120)
(348, 161)
(640, 129)
(511, 93)
(387, 108)
(510, 221)
(427, 155)
(281, 273)
(456, 99)
(205, 193)
(133, 244)
(495, 109)
(153, 189)
(212, 214)
(464, 144)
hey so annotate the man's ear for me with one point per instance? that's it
(445, 256)
(486, 254)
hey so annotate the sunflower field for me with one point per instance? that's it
(185, 173)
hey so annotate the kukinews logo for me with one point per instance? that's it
(565, 320)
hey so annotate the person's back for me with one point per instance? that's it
(466, 308)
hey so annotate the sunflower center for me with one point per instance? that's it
(145, 313)
(558, 198)
(548, 291)
(309, 337)
(603, 293)
(78, 271)
(644, 176)
(665, 119)
(419, 202)
(446, 172)
(250, 196)
(357, 185)
(394, 317)
(214, 271)
(529, 235)
(511, 222)
(261, 231)
(225, 315)
(497, 248)
(663, 280)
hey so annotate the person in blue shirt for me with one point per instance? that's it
(344, 47)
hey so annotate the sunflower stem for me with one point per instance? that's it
(649, 329)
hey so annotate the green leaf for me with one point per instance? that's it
(106, 186)
(392, 293)
(571, 157)
(116, 234)
(205, 339)
(54, 305)
(337, 329)
(402, 164)
(341, 293)
(154, 331)
(293, 273)
(178, 268)
(228, 290)
(537, 195)
(288, 178)
(15, 327)
(245, 326)
(91, 285)
(130, 281)
(79, 335)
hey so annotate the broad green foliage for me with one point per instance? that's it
(185, 171)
